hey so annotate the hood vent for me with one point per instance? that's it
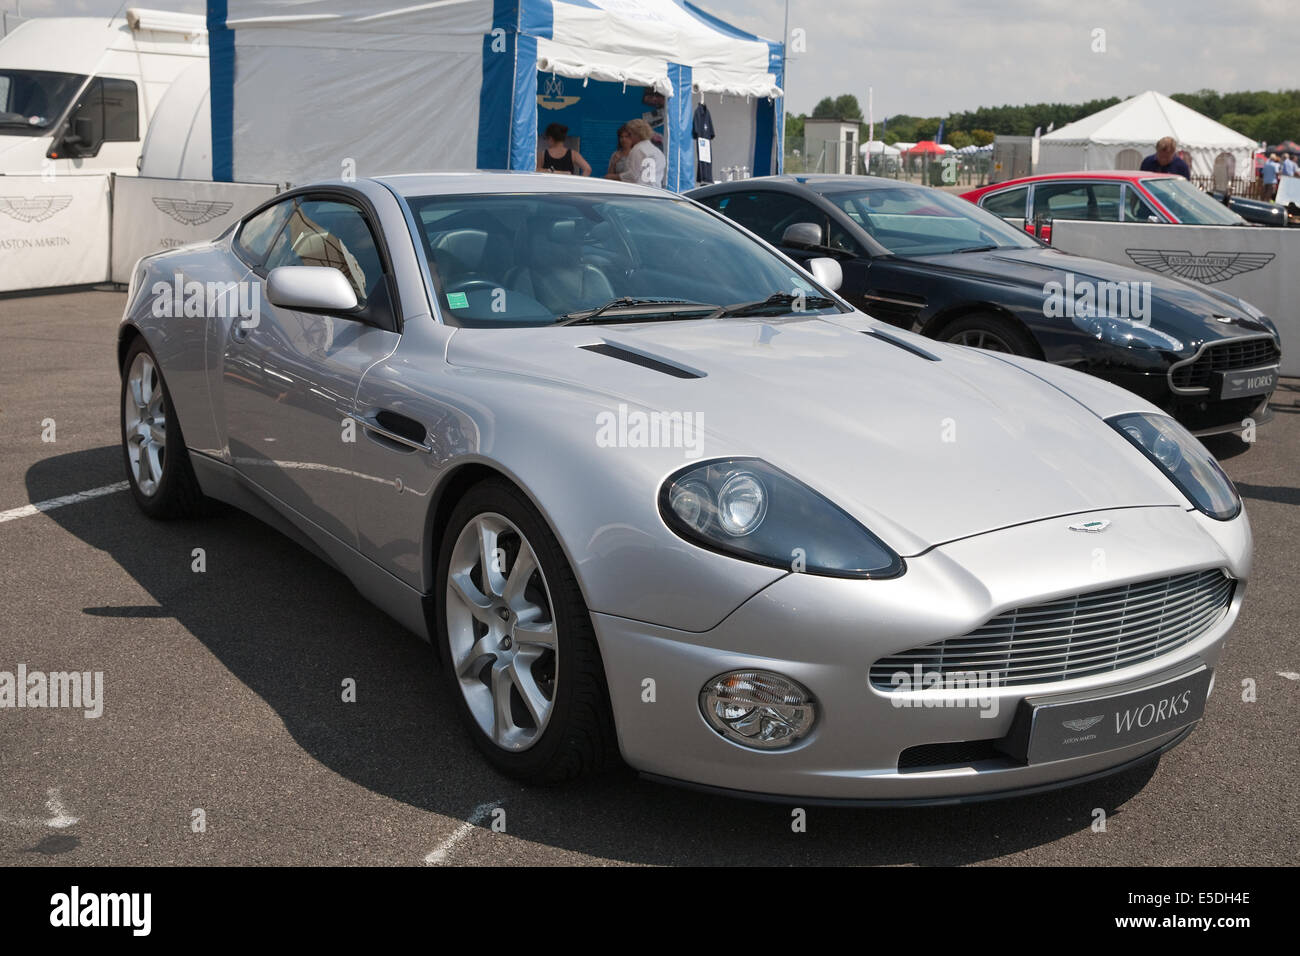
(645, 361)
(905, 346)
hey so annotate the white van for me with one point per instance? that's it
(77, 93)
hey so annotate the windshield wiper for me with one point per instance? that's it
(976, 249)
(772, 301)
(631, 308)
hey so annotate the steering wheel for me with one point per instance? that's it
(472, 285)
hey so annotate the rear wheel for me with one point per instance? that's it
(982, 330)
(516, 641)
(157, 465)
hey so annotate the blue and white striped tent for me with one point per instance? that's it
(311, 89)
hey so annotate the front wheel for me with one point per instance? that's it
(982, 330)
(158, 466)
(516, 641)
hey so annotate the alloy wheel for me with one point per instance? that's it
(144, 421)
(501, 632)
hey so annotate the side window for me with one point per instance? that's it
(108, 112)
(257, 234)
(1009, 204)
(769, 213)
(1094, 201)
(326, 232)
(1136, 208)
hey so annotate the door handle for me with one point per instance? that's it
(397, 428)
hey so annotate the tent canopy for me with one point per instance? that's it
(1113, 137)
(306, 89)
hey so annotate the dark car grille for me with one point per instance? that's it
(1077, 636)
(1224, 357)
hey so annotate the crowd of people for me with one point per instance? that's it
(1276, 166)
(636, 158)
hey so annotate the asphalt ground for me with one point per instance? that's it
(222, 694)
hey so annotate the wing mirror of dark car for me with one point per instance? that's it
(827, 272)
(320, 289)
(802, 235)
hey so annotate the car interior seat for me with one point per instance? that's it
(551, 268)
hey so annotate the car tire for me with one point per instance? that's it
(984, 330)
(516, 641)
(158, 467)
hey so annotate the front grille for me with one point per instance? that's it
(1225, 357)
(1076, 636)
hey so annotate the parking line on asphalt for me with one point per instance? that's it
(26, 511)
(444, 848)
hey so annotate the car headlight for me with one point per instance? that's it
(748, 509)
(1184, 460)
(1127, 333)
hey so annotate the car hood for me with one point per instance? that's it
(1189, 312)
(920, 451)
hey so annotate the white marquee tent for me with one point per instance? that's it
(306, 89)
(1120, 136)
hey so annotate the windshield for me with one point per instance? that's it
(519, 259)
(1189, 204)
(920, 221)
(33, 100)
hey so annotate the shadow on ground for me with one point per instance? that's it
(289, 627)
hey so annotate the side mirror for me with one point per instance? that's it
(802, 235)
(76, 140)
(827, 271)
(310, 289)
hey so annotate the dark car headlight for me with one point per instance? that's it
(1184, 460)
(1127, 333)
(748, 509)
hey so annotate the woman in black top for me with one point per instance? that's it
(558, 158)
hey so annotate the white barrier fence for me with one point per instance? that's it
(1260, 265)
(53, 231)
(79, 230)
(152, 215)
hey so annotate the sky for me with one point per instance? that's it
(935, 57)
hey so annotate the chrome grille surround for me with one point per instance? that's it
(1078, 636)
(1194, 375)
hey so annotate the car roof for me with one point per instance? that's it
(517, 181)
(1128, 175)
(815, 181)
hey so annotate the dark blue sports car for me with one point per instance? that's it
(929, 261)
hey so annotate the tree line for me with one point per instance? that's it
(1261, 115)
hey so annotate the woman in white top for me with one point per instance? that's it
(646, 163)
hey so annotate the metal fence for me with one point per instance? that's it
(830, 156)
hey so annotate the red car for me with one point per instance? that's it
(1104, 196)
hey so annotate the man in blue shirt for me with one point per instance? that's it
(1166, 160)
(1289, 167)
(1268, 178)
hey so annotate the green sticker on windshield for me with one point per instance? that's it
(458, 300)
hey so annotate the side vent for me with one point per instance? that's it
(645, 361)
(905, 346)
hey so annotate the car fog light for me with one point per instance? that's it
(758, 709)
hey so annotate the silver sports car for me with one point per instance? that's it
(655, 491)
